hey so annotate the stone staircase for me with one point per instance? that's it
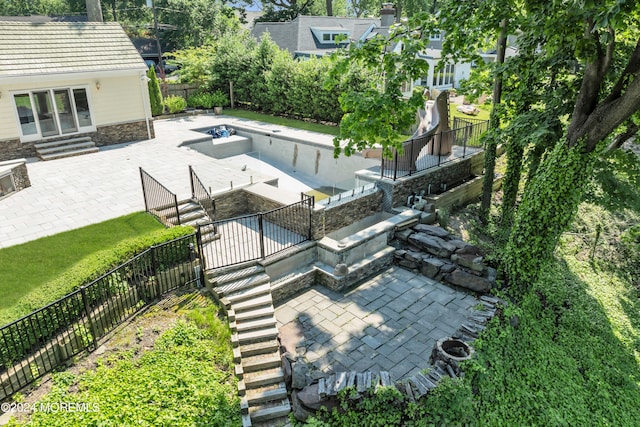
(65, 148)
(191, 213)
(246, 294)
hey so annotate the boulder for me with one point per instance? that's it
(428, 218)
(491, 274)
(432, 244)
(432, 230)
(404, 234)
(447, 268)
(413, 256)
(307, 401)
(399, 253)
(468, 281)
(470, 261)
(286, 369)
(300, 375)
(470, 250)
(408, 264)
(430, 267)
(458, 243)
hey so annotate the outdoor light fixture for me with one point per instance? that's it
(97, 85)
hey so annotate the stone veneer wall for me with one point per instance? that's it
(231, 204)
(257, 204)
(397, 192)
(21, 176)
(332, 218)
(104, 135)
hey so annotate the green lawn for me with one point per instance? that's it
(276, 120)
(485, 111)
(25, 267)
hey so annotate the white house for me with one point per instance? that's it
(79, 84)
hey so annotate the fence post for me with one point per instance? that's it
(193, 190)
(413, 141)
(175, 201)
(154, 267)
(261, 232)
(144, 190)
(94, 332)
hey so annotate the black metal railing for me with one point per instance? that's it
(424, 152)
(256, 236)
(200, 194)
(158, 200)
(37, 343)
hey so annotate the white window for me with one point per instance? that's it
(437, 36)
(444, 77)
(53, 112)
(6, 184)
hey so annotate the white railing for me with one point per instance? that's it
(349, 195)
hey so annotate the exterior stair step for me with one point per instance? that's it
(270, 412)
(242, 283)
(263, 347)
(66, 147)
(253, 381)
(72, 153)
(250, 325)
(249, 337)
(234, 274)
(252, 304)
(261, 362)
(260, 396)
(249, 293)
(45, 145)
(255, 314)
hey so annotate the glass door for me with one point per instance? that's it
(46, 113)
(25, 114)
(66, 115)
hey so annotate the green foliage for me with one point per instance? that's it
(78, 267)
(175, 104)
(208, 100)
(155, 96)
(219, 99)
(186, 380)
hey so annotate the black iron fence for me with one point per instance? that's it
(200, 194)
(256, 236)
(37, 343)
(423, 153)
(158, 200)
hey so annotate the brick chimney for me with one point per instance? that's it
(94, 11)
(387, 14)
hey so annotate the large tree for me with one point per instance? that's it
(575, 87)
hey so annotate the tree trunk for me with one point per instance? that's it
(492, 141)
(329, 7)
(547, 208)
(511, 181)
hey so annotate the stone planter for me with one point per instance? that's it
(217, 110)
(451, 351)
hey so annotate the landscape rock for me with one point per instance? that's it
(404, 234)
(470, 261)
(300, 375)
(470, 250)
(399, 253)
(428, 218)
(430, 267)
(432, 244)
(491, 274)
(458, 243)
(308, 401)
(430, 208)
(408, 264)
(447, 268)
(286, 369)
(467, 280)
(432, 230)
(413, 256)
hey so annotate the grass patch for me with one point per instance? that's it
(283, 121)
(186, 380)
(36, 273)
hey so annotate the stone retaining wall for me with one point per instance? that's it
(332, 218)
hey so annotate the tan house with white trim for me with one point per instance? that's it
(81, 82)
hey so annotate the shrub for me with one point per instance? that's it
(201, 100)
(155, 96)
(175, 104)
(219, 99)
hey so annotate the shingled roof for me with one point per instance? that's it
(32, 49)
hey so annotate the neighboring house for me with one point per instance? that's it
(307, 36)
(66, 80)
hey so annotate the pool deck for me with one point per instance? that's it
(77, 191)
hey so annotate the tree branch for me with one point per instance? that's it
(620, 139)
(633, 66)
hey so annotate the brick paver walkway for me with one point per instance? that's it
(389, 323)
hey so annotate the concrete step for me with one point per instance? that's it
(72, 153)
(256, 380)
(66, 147)
(248, 293)
(261, 395)
(252, 304)
(269, 413)
(45, 145)
(234, 286)
(261, 362)
(250, 325)
(262, 347)
(258, 313)
(259, 335)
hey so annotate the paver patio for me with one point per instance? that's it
(389, 323)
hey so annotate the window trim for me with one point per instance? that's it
(51, 90)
